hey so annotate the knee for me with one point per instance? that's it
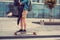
(23, 17)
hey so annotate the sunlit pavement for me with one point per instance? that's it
(35, 39)
(8, 26)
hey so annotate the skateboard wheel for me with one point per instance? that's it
(34, 33)
(15, 33)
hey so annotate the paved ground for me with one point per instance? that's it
(35, 39)
(8, 26)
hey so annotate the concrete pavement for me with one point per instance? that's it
(8, 26)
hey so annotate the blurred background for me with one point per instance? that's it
(39, 10)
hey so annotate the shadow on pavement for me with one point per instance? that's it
(48, 23)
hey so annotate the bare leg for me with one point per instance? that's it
(24, 18)
(25, 23)
(21, 23)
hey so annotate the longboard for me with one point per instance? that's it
(25, 33)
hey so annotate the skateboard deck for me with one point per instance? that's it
(25, 33)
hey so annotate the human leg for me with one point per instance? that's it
(24, 14)
(20, 10)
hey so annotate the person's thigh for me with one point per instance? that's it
(24, 13)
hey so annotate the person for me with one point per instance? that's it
(19, 9)
(22, 12)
